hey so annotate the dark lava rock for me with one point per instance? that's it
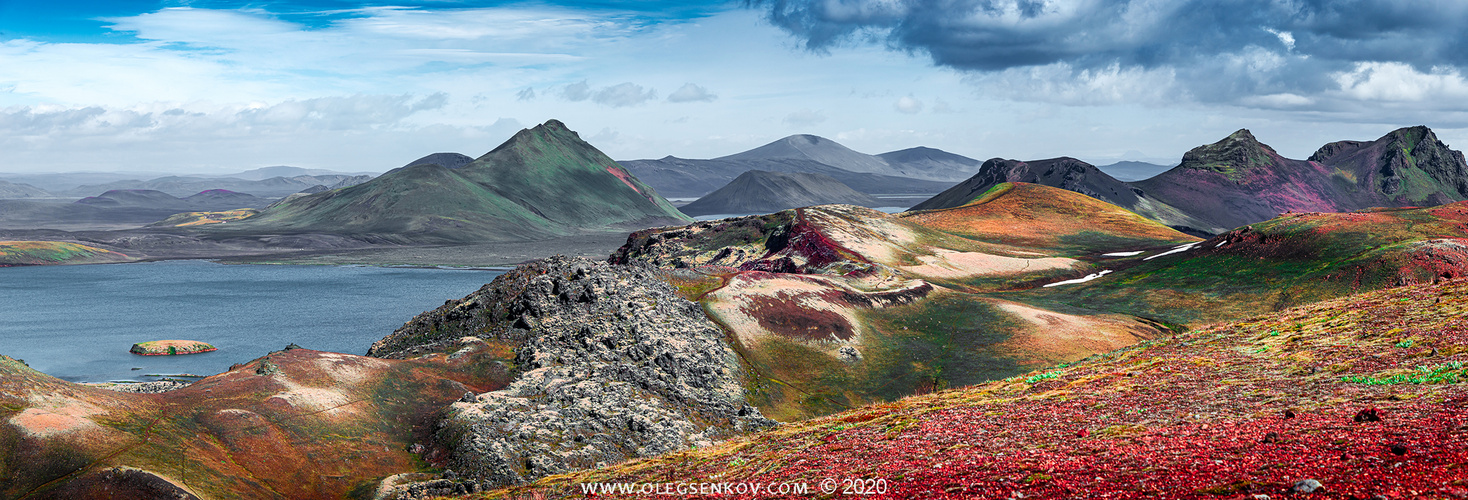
(611, 363)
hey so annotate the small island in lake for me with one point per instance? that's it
(170, 347)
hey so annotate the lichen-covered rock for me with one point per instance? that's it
(612, 364)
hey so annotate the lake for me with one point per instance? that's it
(78, 322)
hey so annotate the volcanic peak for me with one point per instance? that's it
(1232, 156)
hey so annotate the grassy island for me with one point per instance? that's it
(170, 347)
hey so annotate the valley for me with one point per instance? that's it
(1082, 326)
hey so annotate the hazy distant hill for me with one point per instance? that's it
(122, 207)
(915, 170)
(272, 187)
(543, 182)
(10, 191)
(1131, 171)
(263, 173)
(759, 191)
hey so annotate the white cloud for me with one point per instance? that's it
(691, 93)
(942, 106)
(576, 92)
(1397, 82)
(908, 105)
(1285, 37)
(161, 134)
(623, 94)
(804, 118)
(1060, 83)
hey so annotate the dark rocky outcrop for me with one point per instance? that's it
(611, 364)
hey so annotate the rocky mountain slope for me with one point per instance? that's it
(543, 182)
(1360, 397)
(1069, 174)
(758, 191)
(609, 364)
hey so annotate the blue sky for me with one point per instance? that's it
(214, 86)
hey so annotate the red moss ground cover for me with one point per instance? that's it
(1366, 395)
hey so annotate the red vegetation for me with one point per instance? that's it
(789, 319)
(1228, 411)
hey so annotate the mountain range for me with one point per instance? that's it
(1238, 180)
(544, 182)
(909, 171)
(759, 191)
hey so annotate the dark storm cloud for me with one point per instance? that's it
(998, 34)
(1210, 50)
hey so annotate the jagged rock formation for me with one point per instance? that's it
(759, 191)
(611, 365)
(1239, 180)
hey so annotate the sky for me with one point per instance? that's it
(212, 86)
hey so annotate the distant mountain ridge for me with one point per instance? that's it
(14, 190)
(1239, 180)
(913, 170)
(272, 187)
(759, 191)
(544, 182)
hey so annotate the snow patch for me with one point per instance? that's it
(1182, 248)
(1122, 254)
(1088, 277)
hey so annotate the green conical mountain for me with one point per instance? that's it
(543, 182)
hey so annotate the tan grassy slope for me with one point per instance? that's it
(35, 253)
(1365, 395)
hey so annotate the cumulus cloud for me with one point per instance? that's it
(576, 92)
(617, 96)
(1277, 47)
(348, 113)
(908, 105)
(804, 118)
(349, 132)
(623, 94)
(691, 93)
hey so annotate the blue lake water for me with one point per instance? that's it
(78, 322)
